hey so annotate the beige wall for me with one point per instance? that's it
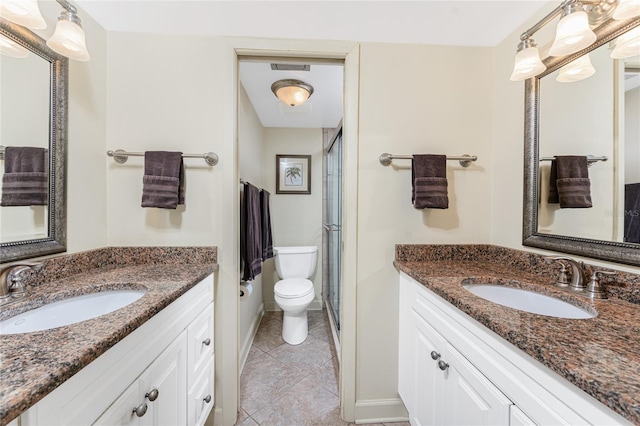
(632, 136)
(296, 219)
(251, 141)
(447, 111)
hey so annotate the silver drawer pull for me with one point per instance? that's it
(153, 395)
(140, 410)
(435, 355)
(206, 341)
(442, 365)
(207, 399)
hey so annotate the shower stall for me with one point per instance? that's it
(333, 226)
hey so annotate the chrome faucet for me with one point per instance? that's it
(11, 286)
(578, 275)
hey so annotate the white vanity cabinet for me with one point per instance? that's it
(454, 371)
(160, 374)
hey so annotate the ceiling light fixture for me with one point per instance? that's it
(573, 32)
(68, 38)
(292, 92)
(627, 45)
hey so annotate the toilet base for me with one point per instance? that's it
(295, 327)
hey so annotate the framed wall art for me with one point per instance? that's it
(293, 174)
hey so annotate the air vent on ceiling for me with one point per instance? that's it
(290, 67)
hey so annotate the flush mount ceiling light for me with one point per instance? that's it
(292, 92)
(68, 38)
(573, 32)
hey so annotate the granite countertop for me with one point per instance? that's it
(34, 364)
(600, 355)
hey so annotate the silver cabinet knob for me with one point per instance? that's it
(153, 395)
(442, 365)
(141, 409)
(206, 341)
(207, 399)
(435, 355)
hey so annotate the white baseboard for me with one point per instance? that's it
(316, 305)
(381, 410)
(248, 341)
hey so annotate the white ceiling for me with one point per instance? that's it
(463, 23)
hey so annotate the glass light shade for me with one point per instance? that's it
(23, 12)
(12, 49)
(627, 45)
(572, 34)
(69, 40)
(527, 64)
(292, 92)
(577, 70)
(627, 9)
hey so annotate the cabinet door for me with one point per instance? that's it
(429, 379)
(518, 418)
(406, 344)
(166, 375)
(121, 412)
(200, 335)
(469, 397)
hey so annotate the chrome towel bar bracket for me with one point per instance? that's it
(120, 156)
(465, 160)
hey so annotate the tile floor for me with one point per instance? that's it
(285, 385)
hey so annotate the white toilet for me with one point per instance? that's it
(294, 292)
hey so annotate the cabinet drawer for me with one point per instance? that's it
(200, 334)
(201, 397)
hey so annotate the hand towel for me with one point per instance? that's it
(553, 188)
(251, 234)
(163, 180)
(265, 214)
(572, 183)
(429, 181)
(632, 213)
(25, 180)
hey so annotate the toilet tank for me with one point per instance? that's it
(295, 262)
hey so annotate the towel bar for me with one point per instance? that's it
(121, 156)
(590, 159)
(465, 160)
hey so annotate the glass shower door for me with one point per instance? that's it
(333, 226)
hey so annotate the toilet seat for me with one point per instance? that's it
(293, 288)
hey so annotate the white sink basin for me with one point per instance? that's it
(528, 301)
(69, 311)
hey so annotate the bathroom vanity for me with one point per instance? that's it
(502, 365)
(150, 362)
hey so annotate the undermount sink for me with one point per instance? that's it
(69, 311)
(528, 301)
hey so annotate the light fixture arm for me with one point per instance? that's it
(68, 6)
(544, 21)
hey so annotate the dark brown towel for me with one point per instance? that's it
(251, 234)
(163, 180)
(553, 188)
(25, 181)
(632, 213)
(265, 214)
(572, 183)
(429, 181)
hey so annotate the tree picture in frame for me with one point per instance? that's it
(293, 174)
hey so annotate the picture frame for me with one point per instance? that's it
(293, 174)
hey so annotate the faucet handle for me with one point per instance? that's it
(595, 290)
(563, 278)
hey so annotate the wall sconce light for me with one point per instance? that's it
(573, 32)
(292, 92)
(627, 45)
(12, 49)
(68, 38)
(576, 70)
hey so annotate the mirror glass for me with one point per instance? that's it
(597, 117)
(24, 121)
(33, 113)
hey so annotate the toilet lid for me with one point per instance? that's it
(293, 287)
